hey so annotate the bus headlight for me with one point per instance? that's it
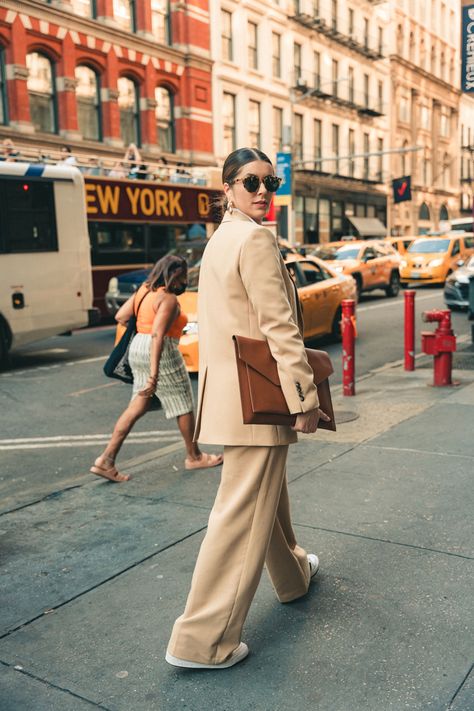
(113, 286)
(191, 329)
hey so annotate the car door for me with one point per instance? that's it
(384, 263)
(369, 269)
(315, 297)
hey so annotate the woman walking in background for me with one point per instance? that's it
(157, 365)
(245, 290)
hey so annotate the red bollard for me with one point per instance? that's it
(410, 329)
(439, 344)
(348, 347)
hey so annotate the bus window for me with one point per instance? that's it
(27, 216)
(117, 243)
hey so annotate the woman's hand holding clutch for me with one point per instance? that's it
(307, 422)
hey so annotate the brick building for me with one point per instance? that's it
(100, 74)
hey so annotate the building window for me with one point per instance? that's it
(403, 158)
(254, 124)
(3, 90)
(380, 160)
(316, 8)
(226, 36)
(124, 14)
(253, 45)
(444, 122)
(298, 136)
(404, 108)
(350, 84)
(276, 54)
(433, 59)
(88, 103)
(297, 61)
(160, 21)
(317, 70)
(84, 8)
(366, 33)
(445, 174)
(443, 213)
(334, 15)
(366, 157)
(164, 113)
(129, 105)
(277, 129)
(425, 117)
(350, 22)
(366, 91)
(318, 129)
(424, 212)
(335, 146)
(380, 41)
(229, 123)
(351, 148)
(426, 170)
(42, 92)
(334, 75)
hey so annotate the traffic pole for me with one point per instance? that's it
(410, 329)
(348, 346)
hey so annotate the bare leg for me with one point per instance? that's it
(186, 427)
(104, 465)
(195, 459)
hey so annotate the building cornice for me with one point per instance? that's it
(107, 33)
(444, 85)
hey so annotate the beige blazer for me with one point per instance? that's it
(245, 289)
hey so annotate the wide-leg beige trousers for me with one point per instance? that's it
(249, 525)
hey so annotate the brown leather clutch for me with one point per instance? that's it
(263, 402)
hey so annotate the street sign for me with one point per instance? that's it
(283, 170)
(467, 49)
(401, 189)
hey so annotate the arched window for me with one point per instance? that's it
(129, 105)
(88, 103)
(124, 14)
(424, 212)
(3, 89)
(443, 213)
(42, 92)
(165, 119)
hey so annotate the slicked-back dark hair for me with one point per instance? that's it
(165, 269)
(237, 159)
(232, 165)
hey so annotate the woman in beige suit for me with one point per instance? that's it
(245, 289)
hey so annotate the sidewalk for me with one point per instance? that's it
(94, 576)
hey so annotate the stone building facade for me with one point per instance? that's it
(100, 74)
(424, 67)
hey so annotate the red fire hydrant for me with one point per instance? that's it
(441, 344)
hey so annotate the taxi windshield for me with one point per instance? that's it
(429, 246)
(327, 252)
(347, 253)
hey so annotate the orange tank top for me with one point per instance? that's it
(146, 314)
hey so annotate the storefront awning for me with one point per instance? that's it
(368, 226)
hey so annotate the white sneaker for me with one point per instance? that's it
(313, 561)
(236, 657)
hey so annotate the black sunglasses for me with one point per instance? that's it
(252, 183)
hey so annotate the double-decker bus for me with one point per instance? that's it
(132, 223)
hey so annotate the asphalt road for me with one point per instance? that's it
(58, 408)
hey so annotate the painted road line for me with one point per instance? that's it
(66, 438)
(82, 443)
(90, 390)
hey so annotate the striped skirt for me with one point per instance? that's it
(174, 385)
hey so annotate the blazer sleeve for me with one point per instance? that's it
(263, 281)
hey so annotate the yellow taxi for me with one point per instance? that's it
(372, 263)
(320, 288)
(401, 244)
(429, 260)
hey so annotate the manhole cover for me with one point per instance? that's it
(342, 416)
